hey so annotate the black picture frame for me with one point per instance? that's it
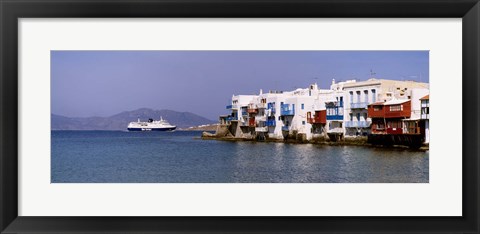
(11, 11)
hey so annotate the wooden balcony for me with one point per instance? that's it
(320, 117)
(358, 105)
(251, 122)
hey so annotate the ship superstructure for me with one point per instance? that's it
(151, 125)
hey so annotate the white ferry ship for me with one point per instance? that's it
(151, 125)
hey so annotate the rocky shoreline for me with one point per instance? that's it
(223, 134)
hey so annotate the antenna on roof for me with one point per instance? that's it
(372, 74)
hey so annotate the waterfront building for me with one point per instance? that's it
(347, 109)
(387, 116)
(425, 116)
(318, 117)
(398, 121)
(335, 109)
(238, 107)
(360, 94)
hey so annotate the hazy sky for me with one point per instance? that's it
(103, 83)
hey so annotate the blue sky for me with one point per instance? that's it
(103, 83)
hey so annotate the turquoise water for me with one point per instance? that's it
(177, 157)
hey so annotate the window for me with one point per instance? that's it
(341, 101)
(365, 96)
(377, 108)
(425, 110)
(303, 106)
(351, 117)
(374, 98)
(395, 124)
(396, 108)
(358, 96)
(365, 116)
(351, 96)
(358, 116)
(303, 122)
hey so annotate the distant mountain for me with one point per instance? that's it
(121, 120)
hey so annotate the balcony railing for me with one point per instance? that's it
(334, 117)
(358, 105)
(357, 124)
(233, 106)
(425, 116)
(270, 123)
(335, 130)
(261, 129)
(287, 109)
(412, 130)
(230, 118)
(285, 128)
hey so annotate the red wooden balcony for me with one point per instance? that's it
(400, 110)
(320, 117)
(376, 110)
(251, 122)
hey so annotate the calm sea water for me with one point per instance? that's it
(177, 157)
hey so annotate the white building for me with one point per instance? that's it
(359, 94)
(277, 114)
(425, 116)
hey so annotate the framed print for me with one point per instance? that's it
(206, 116)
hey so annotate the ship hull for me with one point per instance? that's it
(151, 129)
